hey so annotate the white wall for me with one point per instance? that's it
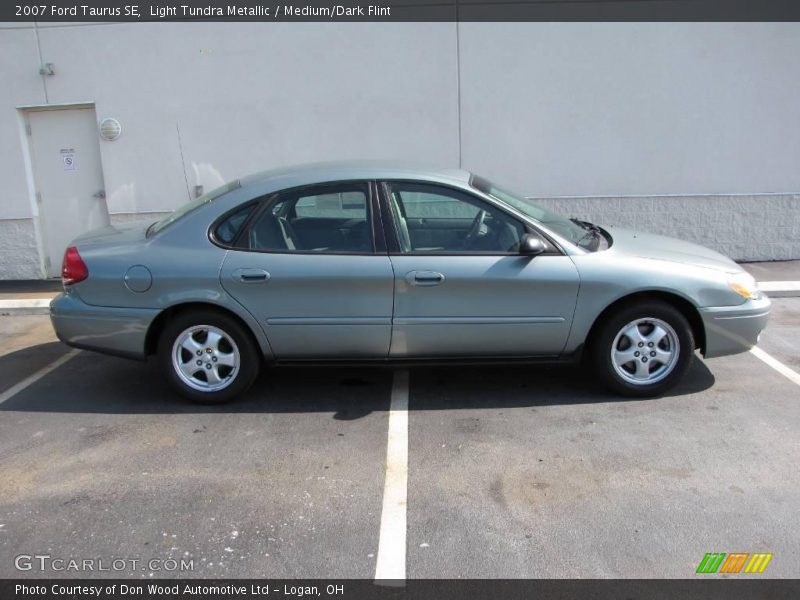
(21, 84)
(595, 109)
(238, 98)
(550, 109)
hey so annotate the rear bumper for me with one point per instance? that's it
(118, 331)
(734, 329)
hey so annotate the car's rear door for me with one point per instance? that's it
(461, 286)
(310, 266)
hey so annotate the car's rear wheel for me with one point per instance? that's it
(644, 349)
(208, 356)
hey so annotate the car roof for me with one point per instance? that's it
(324, 172)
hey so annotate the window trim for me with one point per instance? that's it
(393, 236)
(264, 202)
(212, 230)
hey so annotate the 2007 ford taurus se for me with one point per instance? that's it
(376, 262)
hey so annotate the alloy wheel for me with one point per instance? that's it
(645, 351)
(205, 358)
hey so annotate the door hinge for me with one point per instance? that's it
(28, 129)
(38, 197)
(47, 263)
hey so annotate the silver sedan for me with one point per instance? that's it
(370, 262)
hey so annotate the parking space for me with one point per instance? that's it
(100, 459)
(530, 479)
(27, 344)
(782, 338)
(512, 472)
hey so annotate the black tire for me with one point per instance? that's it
(236, 380)
(605, 335)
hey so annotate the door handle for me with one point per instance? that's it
(251, 275)
(423, 278)
(99, 194)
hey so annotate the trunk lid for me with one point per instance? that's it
(113, 234)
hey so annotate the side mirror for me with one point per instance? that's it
(531, 245)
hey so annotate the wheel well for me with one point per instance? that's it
(686, 308)
(158, 324)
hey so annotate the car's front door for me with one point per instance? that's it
(461, 286)
(307, 267)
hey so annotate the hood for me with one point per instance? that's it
(659, 247)
(113, 234)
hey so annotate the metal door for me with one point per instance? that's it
(68, 178)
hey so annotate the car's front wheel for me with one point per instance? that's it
(208, 356)
(643, 349)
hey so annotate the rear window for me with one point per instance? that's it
(338, 205)
(191, 206)
(229, 228)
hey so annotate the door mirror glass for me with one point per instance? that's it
(531, 245)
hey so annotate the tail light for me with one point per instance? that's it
(73, 269)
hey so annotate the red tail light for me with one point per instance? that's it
(73, 269)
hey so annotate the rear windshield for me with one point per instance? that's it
(184, 210)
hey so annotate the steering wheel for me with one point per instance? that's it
(475, 230)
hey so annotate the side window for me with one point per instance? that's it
(439, 220)
(228, 229)
(331, 219)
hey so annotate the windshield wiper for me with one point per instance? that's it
(592, 230)
(586, 225)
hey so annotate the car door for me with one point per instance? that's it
(462, 288)
(308, 266)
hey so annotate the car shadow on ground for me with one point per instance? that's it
(94, 383)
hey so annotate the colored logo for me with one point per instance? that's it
(735, 562)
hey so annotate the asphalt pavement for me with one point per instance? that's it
(512, 472)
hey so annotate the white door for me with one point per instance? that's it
(65, 155)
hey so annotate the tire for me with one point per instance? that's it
(208, 356)
(652, 369)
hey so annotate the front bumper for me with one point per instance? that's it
(734, 329)
(118, 331)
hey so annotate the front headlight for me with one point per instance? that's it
(745, 285)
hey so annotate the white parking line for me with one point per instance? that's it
(773, 362)
(25, 303)
(17, 388)
(779, 286)
(25, 306)
(390, 568)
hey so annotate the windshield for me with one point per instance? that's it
(190, 206)
(580, 233)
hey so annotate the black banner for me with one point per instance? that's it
(702, 588)
(399, 10)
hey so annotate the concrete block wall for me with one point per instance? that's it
(19, 256)
(745, 227)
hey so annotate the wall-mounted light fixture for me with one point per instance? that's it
(110, 129)
(47, 69)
